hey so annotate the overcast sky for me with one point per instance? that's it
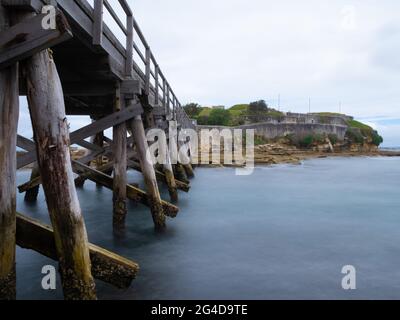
(224, 52)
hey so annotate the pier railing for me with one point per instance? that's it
(155, 83)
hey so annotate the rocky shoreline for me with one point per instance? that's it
(298, 156)
(275, 153)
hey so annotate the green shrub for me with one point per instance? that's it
(333, 138)
(376, 138)
(319, 138)
(307, 141)
(202, 120)
(354, 135)
(219, 117)
(260, 140)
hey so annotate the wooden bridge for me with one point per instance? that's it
(79, 67)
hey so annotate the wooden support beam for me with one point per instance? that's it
(129, 88)
(132, 192)
(180, 172)
(46, 105)
(90, 130)
(120, 175)
(9, 109)
(189, 170)
(29, 37)
(106, 266)
(99, 142)
(168, 173)
(90, 88)
(25, 5)
(160, 176)
(149, 175)
(32, 193)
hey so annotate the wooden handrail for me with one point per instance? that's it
(113, 14)
(167, 95)
(125, 6)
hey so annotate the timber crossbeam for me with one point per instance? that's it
(86, 132)
(28, 37)
(133, 192)
(106, 266)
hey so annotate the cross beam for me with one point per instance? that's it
(88, 131)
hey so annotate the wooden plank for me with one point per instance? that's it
(28, 37)
(106, 266)
(90, 130)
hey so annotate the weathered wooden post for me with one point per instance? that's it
(46, 105)
(170, 178)
(9, 109)
(180, 173)
(120, 166)
(99, 141)
(148, 173)
(32, 193)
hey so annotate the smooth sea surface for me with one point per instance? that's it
(284, 232)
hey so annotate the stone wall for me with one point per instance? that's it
(273, 130)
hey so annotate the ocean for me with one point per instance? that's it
(284, 232)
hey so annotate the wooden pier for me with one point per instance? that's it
(79, 67)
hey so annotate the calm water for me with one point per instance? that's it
(284, 232)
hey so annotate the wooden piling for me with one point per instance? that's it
(9, 109)
(120, 166)
(189, 170)
(148, 173)
(46, 105)
(170, 178)
(32, 193)
(180, 173)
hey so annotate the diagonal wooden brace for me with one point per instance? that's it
(106, 266)
(88, 131)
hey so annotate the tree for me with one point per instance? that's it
(219, 117)
(192, 109)
(257, 107)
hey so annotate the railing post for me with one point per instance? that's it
(98, 22)
(148, 61)
(164, 102)
(168, 100)
(157, 98)
(174, 107)
(129, 46)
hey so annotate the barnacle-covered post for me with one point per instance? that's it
(9, 108)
